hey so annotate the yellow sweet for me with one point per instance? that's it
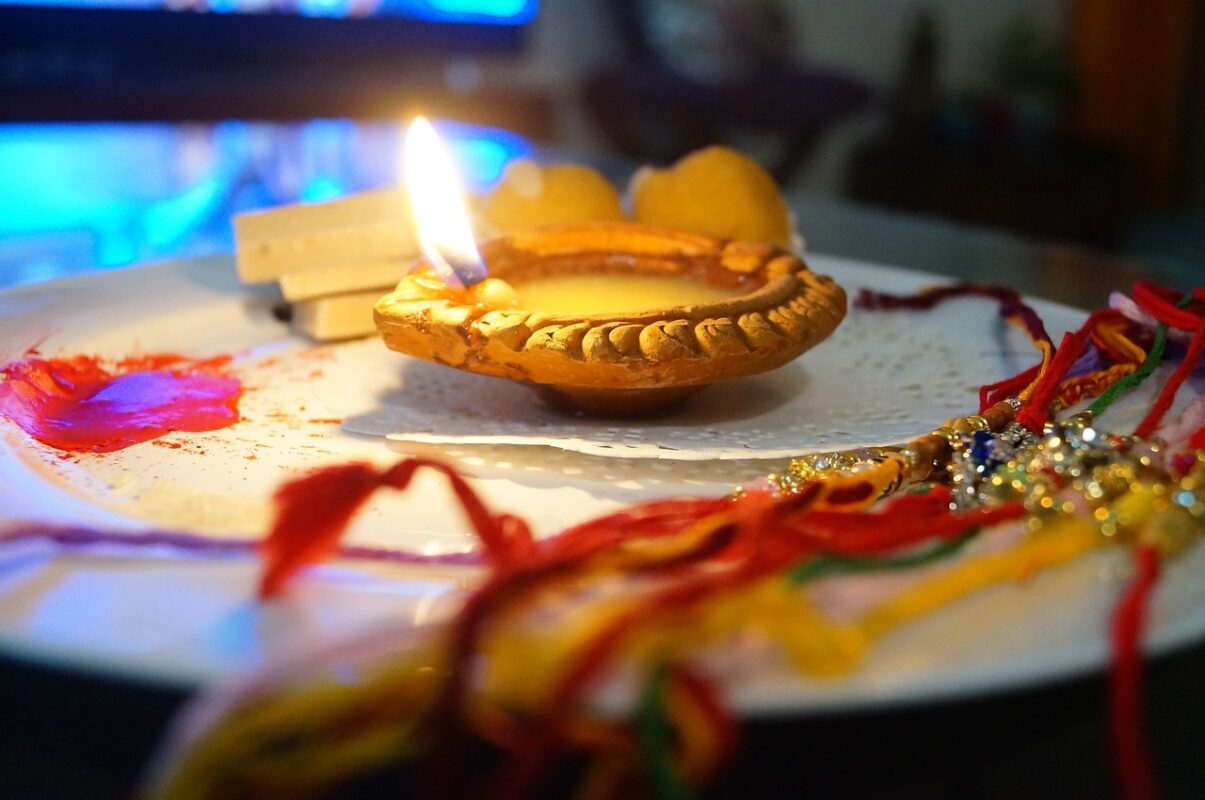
(531, 196)
(715, 191)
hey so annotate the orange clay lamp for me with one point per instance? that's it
(603, 318)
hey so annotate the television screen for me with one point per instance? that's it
(148, 60)
(479, 12)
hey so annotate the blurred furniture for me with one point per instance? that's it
(1132, 61)
(1068, 190)
(1004, 156)
(687, 80)
(1068, 273)
(650, 113)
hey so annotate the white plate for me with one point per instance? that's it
(167, 618)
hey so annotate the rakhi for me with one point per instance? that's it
(707, 571)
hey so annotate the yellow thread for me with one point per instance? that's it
(310, 737)
(1058, 542)
(882, 478)
(1047, 351)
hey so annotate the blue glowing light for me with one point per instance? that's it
(169, 222)
(81, 197)
(325, 8)
(480, 153)
(322, 187)
(513, 12)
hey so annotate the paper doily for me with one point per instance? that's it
(882, 378)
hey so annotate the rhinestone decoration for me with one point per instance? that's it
(1075, 468)
(817, 466)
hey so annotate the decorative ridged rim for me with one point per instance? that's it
(791, 311)
(682, 336)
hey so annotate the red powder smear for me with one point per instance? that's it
(79, 403)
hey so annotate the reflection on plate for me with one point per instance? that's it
(160, 616)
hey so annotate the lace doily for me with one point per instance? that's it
(880, 379)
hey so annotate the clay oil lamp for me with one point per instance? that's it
(608, 318)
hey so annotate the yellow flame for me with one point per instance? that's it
(437, 205)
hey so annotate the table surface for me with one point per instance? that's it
(76, 199)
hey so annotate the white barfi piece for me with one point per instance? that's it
(344, 316)
(298, 286)
(374, 226)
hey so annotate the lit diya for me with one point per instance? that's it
(607, 318)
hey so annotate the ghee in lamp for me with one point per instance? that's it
(589, 294)
(594, 294)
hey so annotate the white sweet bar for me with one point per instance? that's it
(369, 227)
(310, 284)
(344, 316)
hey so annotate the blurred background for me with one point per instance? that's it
(1057, 145)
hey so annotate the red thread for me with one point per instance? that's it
(312, 513)
(707, 700)
(993, 393)
(1131, 753)
(1197, 440)
(1011, 304)
(1168, 394)
(1037, 410)
(895, 528)
(1011, 308)
(1163, 304)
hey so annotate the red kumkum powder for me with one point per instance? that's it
(80, 403)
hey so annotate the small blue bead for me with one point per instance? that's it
(981, 445)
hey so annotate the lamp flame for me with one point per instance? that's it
(437, 205)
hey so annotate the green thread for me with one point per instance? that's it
(1143, 372)
(1110, 395)
(653, 731)
(819, 567)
